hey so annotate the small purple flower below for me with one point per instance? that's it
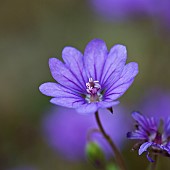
(154, 137)
(90, 81)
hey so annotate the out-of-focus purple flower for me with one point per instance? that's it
(90, 81)
(68, 132)
(161, 12)
(125, 9)
(121, 9)
(156, 103)
(154, 138)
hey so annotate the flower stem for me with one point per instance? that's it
(153, 165)
(118, 156)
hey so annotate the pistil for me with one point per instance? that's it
(93, 90)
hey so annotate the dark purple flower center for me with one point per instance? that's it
(93, 90)
(158, 138)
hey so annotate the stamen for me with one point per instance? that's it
(93, 86)
(93, 90)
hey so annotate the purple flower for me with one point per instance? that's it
(125, 9)
(67, 133)
(162, 12)
(120, 9)
(90, 81)
(153, 137)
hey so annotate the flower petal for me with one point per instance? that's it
(144, 123)
(137, 135)
(126, 79)
(63, 75)
(87, 108)
(144, 147)
(94, 58)
(167, 148)
(74, 61)
(149, 158)
(114, 65)
(55, 90)
(119, 91)
(70, 102)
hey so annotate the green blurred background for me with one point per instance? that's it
(33, 31)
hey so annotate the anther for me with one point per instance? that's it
(93, 86)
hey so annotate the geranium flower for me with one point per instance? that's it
(90, 81)
(153, 137)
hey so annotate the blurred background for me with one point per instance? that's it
(33, 31)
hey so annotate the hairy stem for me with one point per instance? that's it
(118, 156)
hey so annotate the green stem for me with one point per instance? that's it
(118, 156)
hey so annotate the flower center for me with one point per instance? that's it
(158, 138)
(93, 90)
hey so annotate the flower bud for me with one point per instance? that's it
(111, 166)
(95, 155)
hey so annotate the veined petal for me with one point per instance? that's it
(55, 90)
(137, 135)
(144, 123)
(152, 123)
(119, 91)
(74, 61)
(126, 79)
(114, 65)
(94, 58)
(63, 75)
(144, 147)
(70, 102)
(87, 108)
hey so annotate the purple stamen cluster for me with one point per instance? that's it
(93, 86)
(93, 90)
(153, 137)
